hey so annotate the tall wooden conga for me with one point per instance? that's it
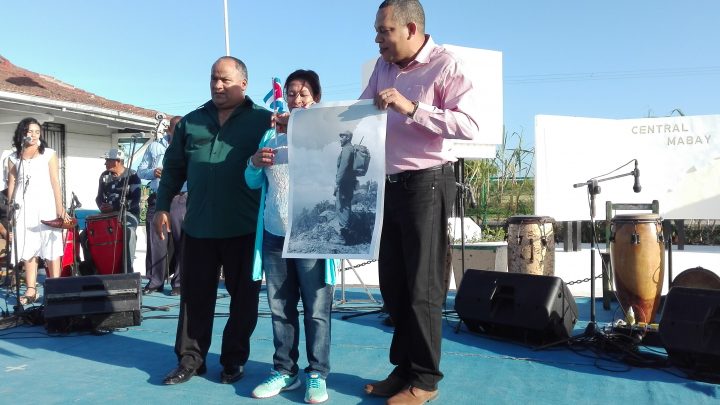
(638, 263)
(531, 245)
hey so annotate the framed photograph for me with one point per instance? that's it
(336, 154)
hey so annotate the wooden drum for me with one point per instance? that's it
(638, 263)
(531, 245)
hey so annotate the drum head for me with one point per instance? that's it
(697, 277)
(529, 219)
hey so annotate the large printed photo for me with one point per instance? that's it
(337, 168)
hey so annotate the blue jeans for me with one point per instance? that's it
(287, 281)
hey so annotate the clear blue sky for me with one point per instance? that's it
(610, 59)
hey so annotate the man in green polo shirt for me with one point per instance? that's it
(210, 148)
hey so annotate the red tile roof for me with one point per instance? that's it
(15, 79)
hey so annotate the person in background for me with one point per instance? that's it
(289, 280)
(157, 257)
(34, 186)
(110, 193)
(210, 149)
(428, 99)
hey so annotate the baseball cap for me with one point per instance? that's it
(114, 154)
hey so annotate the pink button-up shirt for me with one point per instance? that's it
(447, 108)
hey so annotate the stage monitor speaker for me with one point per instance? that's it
(690, 328)
(533, 308)
(92, 302)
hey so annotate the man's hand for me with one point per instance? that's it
(161, 223)
(157, 172)
(106, 207)
(391, 98)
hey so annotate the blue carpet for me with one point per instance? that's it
(128, 365)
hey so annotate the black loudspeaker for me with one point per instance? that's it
(523, 306)
(690, 328)
(92, 302)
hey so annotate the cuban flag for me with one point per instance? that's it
(275, 96)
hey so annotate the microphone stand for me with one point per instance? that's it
(593, 189)
(122, 215)
(12, 223)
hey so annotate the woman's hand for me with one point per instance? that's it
(64, 215)
(280, 122)
(264, 157)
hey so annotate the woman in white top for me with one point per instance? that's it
(34, 187)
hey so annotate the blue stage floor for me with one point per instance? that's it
(127, 366)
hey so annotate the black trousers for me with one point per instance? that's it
(411, 266)
(158, 260)
(202, 260)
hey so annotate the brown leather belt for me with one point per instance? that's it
(402, 176)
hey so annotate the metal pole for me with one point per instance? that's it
(227, 35)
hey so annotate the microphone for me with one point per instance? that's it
(27, 140)
(636, 173)
(75, 201)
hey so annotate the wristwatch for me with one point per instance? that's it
(411, 114)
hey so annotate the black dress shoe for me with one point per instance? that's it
(148, 290)
(182, 374)
(230, 374)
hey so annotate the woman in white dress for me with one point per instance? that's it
(34, 185)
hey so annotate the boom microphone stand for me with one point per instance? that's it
(593, 189)
(122, 215)
(12, 223)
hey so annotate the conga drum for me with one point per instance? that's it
(71, 251)
(531, 245)
(105, 242)
(638, 263)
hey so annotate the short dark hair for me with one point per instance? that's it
(239, 65)
(21, 132)
(407, 11)
(309, 77)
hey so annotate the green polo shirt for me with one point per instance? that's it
(212, 158)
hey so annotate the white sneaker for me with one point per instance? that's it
(275, 384)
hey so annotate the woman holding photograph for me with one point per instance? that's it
(288, 280)
(33, 185)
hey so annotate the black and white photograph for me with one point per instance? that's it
(337, 168)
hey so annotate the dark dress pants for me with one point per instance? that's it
(411, 265)
(177, 215)
(202, 260)
(157, 250)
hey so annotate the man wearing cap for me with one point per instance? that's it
(345, 181)
(109, 194)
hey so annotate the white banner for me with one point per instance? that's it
(679, 162)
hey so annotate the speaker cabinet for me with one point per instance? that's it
(92, 302)
(690, 328)
(530, 307)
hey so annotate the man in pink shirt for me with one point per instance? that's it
(429, 100)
